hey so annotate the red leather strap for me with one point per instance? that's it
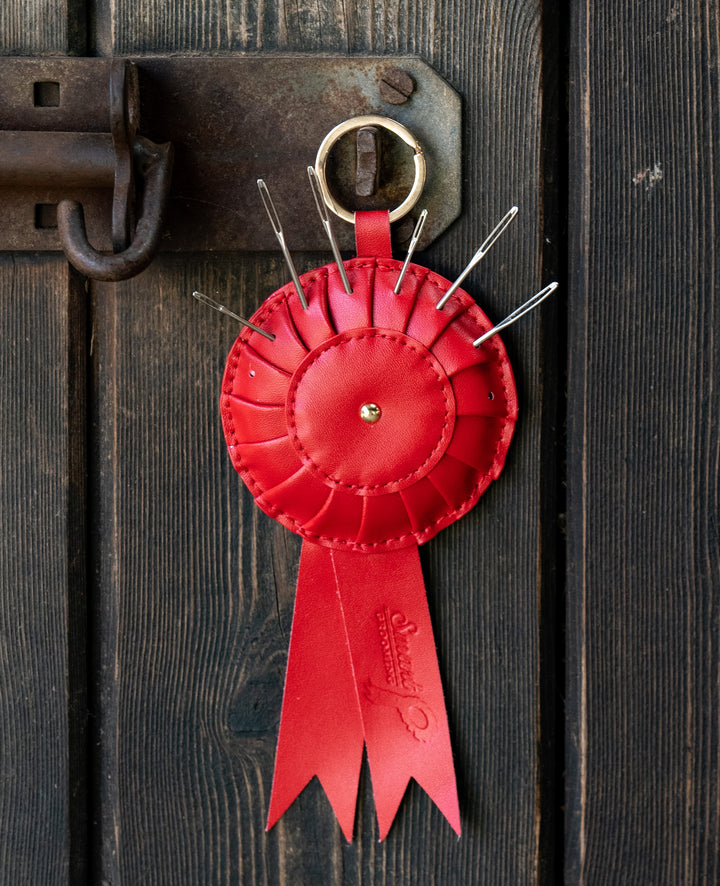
(398, 679)
(362, 665)
(321, 731)
(372, 234)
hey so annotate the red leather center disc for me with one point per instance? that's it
(291, 407)
(398, 380)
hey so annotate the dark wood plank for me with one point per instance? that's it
(43, 707)
(43, 27)
(41, 546)
(197, 586)
(643, 628)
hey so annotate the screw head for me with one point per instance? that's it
(396, 86)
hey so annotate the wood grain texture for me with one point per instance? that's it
(644, 555)
(43, 707)
(197, 585)
(38, 772)
(42, 27)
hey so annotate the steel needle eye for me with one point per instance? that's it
(517, 313)
(411, 248)
(211, 303)
(325, 219)
(277, 228)
(482, 251)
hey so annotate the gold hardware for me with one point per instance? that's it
(357, 123)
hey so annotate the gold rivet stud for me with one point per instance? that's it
(370, 412)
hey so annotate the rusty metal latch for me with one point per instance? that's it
(133, 166)
(230, 120)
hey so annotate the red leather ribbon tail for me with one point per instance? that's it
(396, 672)
(372, 234)
(321, 731)
(362, 663)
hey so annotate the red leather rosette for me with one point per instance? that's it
(363, 495)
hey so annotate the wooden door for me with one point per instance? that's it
(643, 555)
(146, 603)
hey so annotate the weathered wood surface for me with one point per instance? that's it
(196, 585)
(43, 27)
(190, 588)
(644, 421)
(43, 706)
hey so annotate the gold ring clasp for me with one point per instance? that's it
(385, 123)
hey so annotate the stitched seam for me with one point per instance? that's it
(392, 484)
(416, 534)
(276, 512)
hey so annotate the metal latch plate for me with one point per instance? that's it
(232, 120)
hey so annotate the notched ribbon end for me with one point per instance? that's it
(342, 801)
(362, 669)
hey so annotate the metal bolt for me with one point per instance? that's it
(396, 86)
(368, 161)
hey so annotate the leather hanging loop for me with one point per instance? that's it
(372, 234)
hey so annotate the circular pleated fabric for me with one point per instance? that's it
(371, 422)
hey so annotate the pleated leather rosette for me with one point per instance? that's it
(362, 666)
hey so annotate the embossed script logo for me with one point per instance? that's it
(394, 631)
